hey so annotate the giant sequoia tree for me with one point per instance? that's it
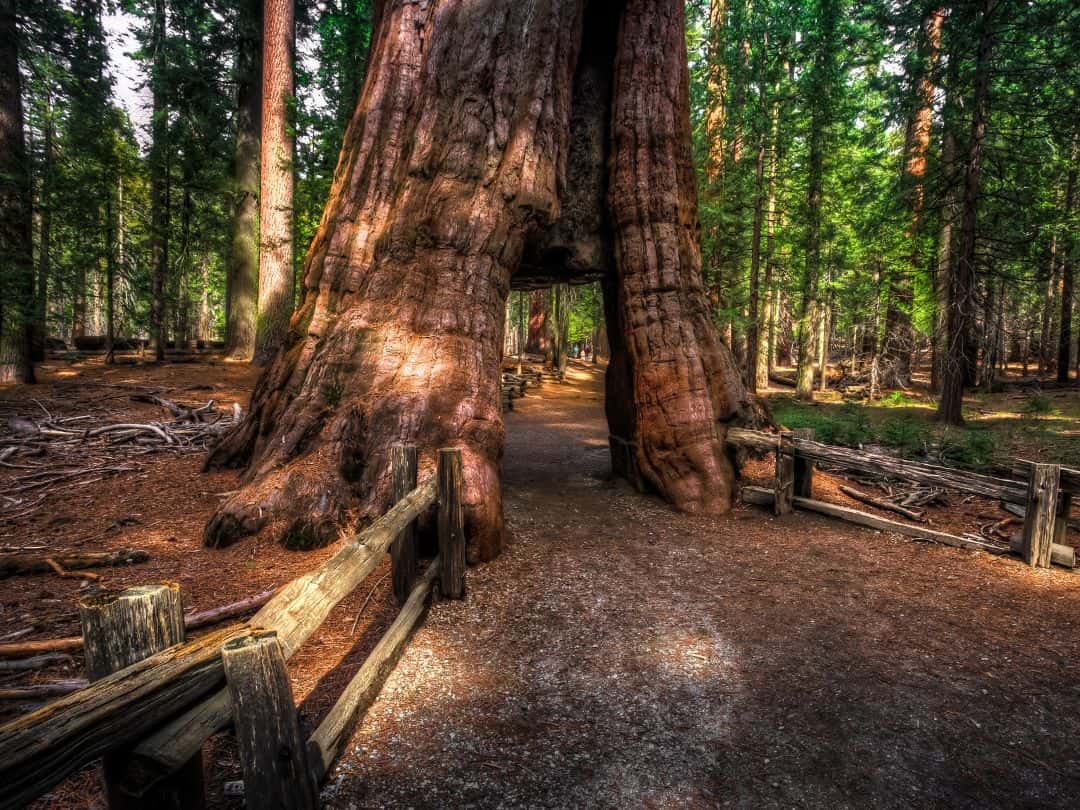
(494, 143)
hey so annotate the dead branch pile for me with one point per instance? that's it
(47, 453)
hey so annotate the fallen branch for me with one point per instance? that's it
(192, 621)
(878, 503)
(65, 574)
(37, 662)
(67, 562)
(43, 691)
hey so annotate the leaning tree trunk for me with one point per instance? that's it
(452, 167)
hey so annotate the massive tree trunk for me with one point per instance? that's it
(16, 215)
(243, 272)
(276, 180)
(455, 166)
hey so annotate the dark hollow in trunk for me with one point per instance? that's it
(495, 144)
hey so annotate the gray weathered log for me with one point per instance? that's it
(120, 629)
(272, 752)
(1065, 556)
(451, 524)
(40, 748)
(403, 462)
(295, 612)
(326, 743)
(887, 466)
(888, 506)
(764, 497)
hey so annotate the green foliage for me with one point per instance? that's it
(1038, 405)
(972, 449)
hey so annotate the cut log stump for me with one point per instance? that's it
(272, 752)
(121, 629)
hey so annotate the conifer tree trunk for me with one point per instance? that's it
(16, 215)
(159, 182)
(276, 179)
(537, 341)
(44, 259)
(899, 336)
(958, 362)
(1065, 333)
(454, 163)
(243, 269)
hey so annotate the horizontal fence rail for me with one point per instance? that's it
(162, 708)
(1041, 493)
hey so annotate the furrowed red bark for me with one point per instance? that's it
(452, 158)
(672, 385)
(479, 154)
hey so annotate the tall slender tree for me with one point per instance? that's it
(958, 365)
(159, 178)
(276, 179)
(243, 270)
(16, 217)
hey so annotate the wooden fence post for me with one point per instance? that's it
(785, 474)
(803, 467)
(121, 629)
(451, 524)
(403, 550)
(272, 752)
(1041, 514)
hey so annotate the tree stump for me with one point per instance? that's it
(272, 752)
(451, 525)
(1041, 514)
(120, 629)
(403, 551)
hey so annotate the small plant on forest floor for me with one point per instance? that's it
(898, 399)
(1036, 406)
(910, 436)
(971, 449)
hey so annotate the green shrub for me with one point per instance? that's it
(971, 449)
(910, 436)
(1037, 405)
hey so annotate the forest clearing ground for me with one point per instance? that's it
(619, 653)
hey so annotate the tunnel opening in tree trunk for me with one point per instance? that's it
(494, 145)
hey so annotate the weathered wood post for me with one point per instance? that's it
(785, 474)
(272, 753)
(121, 629)
(403, 550)
(803, 468)
(1041, 514)
(451, 525)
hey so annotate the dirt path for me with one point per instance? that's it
(619, 654)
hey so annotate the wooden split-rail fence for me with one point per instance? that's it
(1041, 493)
(155, 698)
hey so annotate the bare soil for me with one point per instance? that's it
(619, 653)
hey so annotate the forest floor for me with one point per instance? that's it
(617, 653)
